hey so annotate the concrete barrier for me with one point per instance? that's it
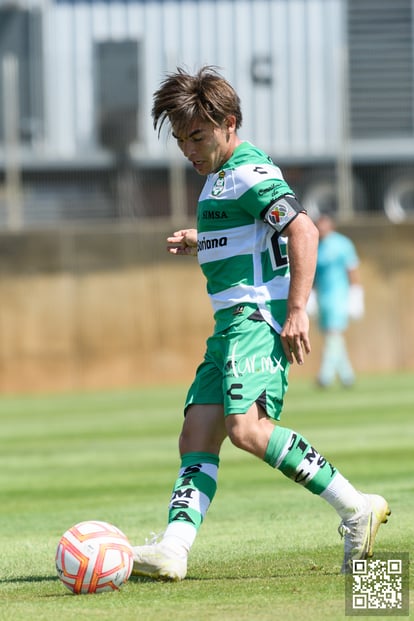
(106, 306)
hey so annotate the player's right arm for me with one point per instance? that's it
(183, 242)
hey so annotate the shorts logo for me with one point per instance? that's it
(235, 396)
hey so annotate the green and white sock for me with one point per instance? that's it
(192, 494)
(296, 458)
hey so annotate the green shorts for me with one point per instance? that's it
(243, 364)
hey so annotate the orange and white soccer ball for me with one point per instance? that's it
(93, 557)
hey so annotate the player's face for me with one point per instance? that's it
(206, 146)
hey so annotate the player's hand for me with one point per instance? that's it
(183, 242)
(295, 336)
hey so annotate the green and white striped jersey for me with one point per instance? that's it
(241, 250)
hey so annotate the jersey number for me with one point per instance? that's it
(277, 258)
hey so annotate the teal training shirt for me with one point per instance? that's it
(336, 255)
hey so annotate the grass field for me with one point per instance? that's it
(267, 550)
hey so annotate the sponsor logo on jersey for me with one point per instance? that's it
(210, 244)
(213, 214)
(269, 188)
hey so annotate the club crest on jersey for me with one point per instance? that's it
(218, 186)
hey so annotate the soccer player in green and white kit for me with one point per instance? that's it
(257, 249)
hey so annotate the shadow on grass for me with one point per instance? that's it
(316, 570)
(203, 577)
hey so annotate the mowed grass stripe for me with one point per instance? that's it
(267, 549)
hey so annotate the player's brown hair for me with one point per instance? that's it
(182, 98)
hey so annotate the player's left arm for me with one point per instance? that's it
(356, 301)
(302, 246)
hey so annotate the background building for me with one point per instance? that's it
(88, 295)
(327, 88)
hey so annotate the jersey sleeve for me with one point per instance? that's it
(266, 196)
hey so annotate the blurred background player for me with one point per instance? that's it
(337, 297)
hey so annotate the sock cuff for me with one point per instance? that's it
(189, 459)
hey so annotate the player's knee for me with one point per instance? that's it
(238, 431)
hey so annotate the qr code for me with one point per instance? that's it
(378, 586)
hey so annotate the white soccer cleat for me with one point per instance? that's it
(159, 562)
(360, 531)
